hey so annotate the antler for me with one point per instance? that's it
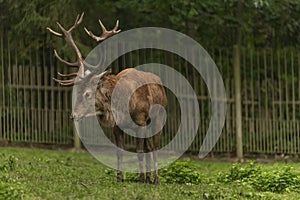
(105, 33)
(67, 35)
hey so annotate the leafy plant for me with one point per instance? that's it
(182, 172)
(276, 180)
(279, 181)
(240, 172)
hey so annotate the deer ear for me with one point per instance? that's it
(106, 73)
(101, 76)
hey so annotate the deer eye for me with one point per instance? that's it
(87, 94)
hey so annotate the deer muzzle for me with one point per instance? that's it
(76, 116)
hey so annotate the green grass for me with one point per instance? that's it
(49, 174)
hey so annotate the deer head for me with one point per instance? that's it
(86, 77)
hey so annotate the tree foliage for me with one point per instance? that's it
(264, 23)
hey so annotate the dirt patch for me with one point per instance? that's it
(213, 157)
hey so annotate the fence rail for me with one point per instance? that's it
(35, 110)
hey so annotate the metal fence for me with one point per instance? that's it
(35, 110)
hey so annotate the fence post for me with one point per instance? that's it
(238, 101)
(77, 142)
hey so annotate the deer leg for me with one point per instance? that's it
(140, 151)
(158, 126)
(148, 150)
(140, 154)
(155, 158)
(119, 136)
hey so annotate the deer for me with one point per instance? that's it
(140, 102)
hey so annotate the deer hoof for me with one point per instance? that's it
(142, 178)
(119, 180)
(148, 180)
(120, 177)
(156, 181)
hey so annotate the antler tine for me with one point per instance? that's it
(116, 27)
(65, 82)
(67, 75)
(62, 28)
(102, 26)
(74, 64)
(54, 32)
(91, 34)
(105, 33)
(77, 21)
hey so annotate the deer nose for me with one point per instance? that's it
(72, 116)
(75, 116)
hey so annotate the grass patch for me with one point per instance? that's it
(48, 174)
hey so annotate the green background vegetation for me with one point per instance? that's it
(263, 23)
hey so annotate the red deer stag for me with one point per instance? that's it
(139, 105)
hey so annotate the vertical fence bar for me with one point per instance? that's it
(26, 101)
(9, 113)
(46, 105)
(273, 115)
(20, 103)
(252, 110)
(279, 101)
(293, 87)
(15, 103)
(258, 141)
(244, 99)
(287, 99)
(293, 105)
(286, 89)
(52, 107)
(266, 100)
(39, 104)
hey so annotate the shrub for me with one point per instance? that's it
(182, 172)
(276, 180)
(240, 172)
